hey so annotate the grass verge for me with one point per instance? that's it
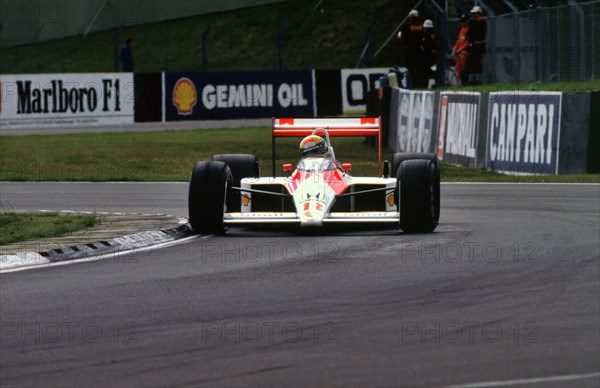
(153, 156)
(17, 227)
(532, 87)
(170, 156)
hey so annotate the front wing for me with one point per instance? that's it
(368, 200)
(268, 218)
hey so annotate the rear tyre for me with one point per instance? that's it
(401, 157)
(242, 166)
(207, 197)
(416, 184)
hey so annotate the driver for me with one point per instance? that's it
(314, 145)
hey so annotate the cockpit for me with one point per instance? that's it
(316, 164)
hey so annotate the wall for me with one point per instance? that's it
(512, 131)
(541, 132)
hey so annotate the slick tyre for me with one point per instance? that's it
(241, 166)
(416, 184)
(209, 186)
(401, 157)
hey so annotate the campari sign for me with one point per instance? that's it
(523, 132)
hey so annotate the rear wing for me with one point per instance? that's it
(358, 126)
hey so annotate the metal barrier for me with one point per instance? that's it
(560, 43)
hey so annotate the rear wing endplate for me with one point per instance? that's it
(356, 126)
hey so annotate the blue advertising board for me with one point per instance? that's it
(217, 96)
(459, 127)
(414, 120)
(523, 132)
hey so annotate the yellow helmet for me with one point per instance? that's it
(313, 145)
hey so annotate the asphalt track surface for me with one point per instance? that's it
(507, 288)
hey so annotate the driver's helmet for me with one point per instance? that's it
(313, 145)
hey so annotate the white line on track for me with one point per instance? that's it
(97, 182)
(110, 255)
(533, 380)
(524, 183)
(444, 183)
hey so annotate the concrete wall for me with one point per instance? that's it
(29, 21)
(575, 133)
(594, 142)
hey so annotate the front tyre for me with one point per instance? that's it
(401, 157)
(241, 166)
(418, 188)
(207, 197)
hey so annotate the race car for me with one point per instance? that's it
(228, 190)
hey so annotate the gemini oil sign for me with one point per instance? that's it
(202, 96)
(66, 99)
(523, 132)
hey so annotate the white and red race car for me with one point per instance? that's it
(228, 190)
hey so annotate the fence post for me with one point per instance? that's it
(558, 52)
(517, 47)
(492, 57)
(593, 40)
(368, 49)
(280, 36)
(441, 39)
(116, 45)
(204, 38)
(582, 39)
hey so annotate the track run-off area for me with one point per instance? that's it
(505, 292)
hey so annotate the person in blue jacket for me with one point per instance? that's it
(126, 55)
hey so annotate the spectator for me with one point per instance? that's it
(429, 49)
(476, 37)
(126, 55)
(411, 36)
(461, 50)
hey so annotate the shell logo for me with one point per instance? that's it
(245, 200)
(185, 96)
(391, 200)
